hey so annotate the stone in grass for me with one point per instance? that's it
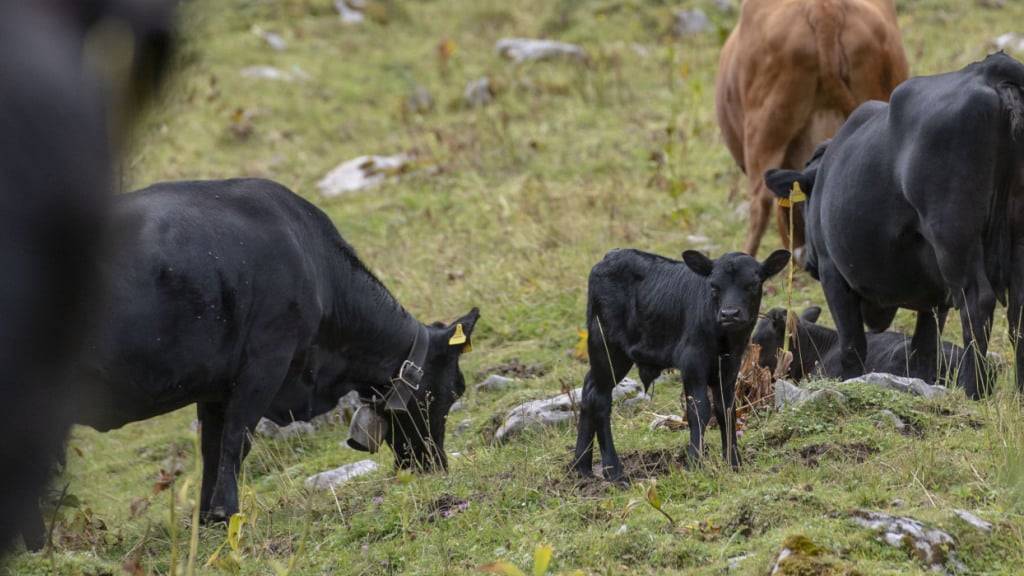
(362, 173)
(478, 93)
(973, 520)
(931, 546)
(495, 383)
(271, 430)
(334, 478)
(690, 23)
(724, 6)
(788, 395)
(342, 414)
(529, 49)
(350, 11)
(914, 386)
(419, 101)
(558, 409)
(894, 420)
(799, 555)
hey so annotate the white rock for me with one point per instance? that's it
(478, 92)
(904, 384)
(495, 383)
(690, 23)
(1010, 41)
(891, 417)
(274, 40)
(458, 405)
(668, 422)
(973, 520)
(350, 11)
(622, 530)
(530, 49)
(557, 409)
(735, 561)
(276, 74)
(361, 173)
(787, 395)
(932, 546)
(334, 478)
(271, 430)
(783, 554)
(341, 414)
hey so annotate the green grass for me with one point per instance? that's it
(520, 200)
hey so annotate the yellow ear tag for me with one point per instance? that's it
(796, 194)
(459, 337)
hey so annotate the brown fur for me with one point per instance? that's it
(789, 75)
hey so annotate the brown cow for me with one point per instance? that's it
(789, 75)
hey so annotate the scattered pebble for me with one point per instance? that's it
(350, 11)
(362, 173)
(933, 547)
(342, 474)
(478, 92)
(276, 74)
(269, 429)
(671, 422)
(690, 23)
(273, 40)
(420, 101)
(528, 49)
(973, 520)
(495, 383)
(724, 6)
(891, 417)
(1010, 41)
(914, 386)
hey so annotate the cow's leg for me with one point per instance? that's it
(33, 531)
(249, 400)
(725, 408)
(977, 304)
(608, 366)
(844, 305)
(1015, 310)
(211, 419)
(926, 346)
(695, 400)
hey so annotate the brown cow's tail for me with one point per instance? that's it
(827, 21)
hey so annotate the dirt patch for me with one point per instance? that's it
(857, 451)
(445, 507)
(514, 368)
(642, 464)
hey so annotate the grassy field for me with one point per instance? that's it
(508, 208)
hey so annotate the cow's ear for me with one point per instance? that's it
(780, 182)
(811, 314)
(460, 332)
(774, 263)
(698, 262)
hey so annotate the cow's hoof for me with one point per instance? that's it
(217, 515)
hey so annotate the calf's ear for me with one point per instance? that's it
(460, 331)
(774, 263)
(811, 314)
(780, 182)
(698, 262)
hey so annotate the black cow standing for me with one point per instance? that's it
(69, 71)
(816, 349)
(917, 204)
(695, 315)
(241, 297)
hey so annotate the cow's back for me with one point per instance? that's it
(203, 274)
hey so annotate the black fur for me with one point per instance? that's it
(657, 313)
(918, 204)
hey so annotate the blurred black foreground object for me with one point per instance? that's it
(72, 75)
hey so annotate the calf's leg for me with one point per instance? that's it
(926, 346)
(698, 407)
(211, 419)
(844, 305)
(1015, 310)
(978, 303)
(725, 408)
(608, 366)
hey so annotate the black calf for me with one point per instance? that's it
(695, 315)
(816, 349)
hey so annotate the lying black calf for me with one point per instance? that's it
(241, 297)
(695, 315)
(816, 350)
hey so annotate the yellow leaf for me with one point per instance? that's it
(652, 496)
(502, 567)
(541, 559)
(235, 530)
(579, 352)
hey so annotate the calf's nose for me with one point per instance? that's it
(729, 314)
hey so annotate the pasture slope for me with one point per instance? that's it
(508, 207)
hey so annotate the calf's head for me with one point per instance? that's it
(735, 284)
(768, 333)
(416, 434)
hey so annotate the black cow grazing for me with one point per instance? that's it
(695, 315)
(241, 297)
(816, 349)
(63, 65)
(917, 204)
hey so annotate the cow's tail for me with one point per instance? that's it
(1010, 94)
(1007, 78)
(827, 21)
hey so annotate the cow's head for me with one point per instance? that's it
(780, 182)
(735, 283)
(768, 334)
(416, 430)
